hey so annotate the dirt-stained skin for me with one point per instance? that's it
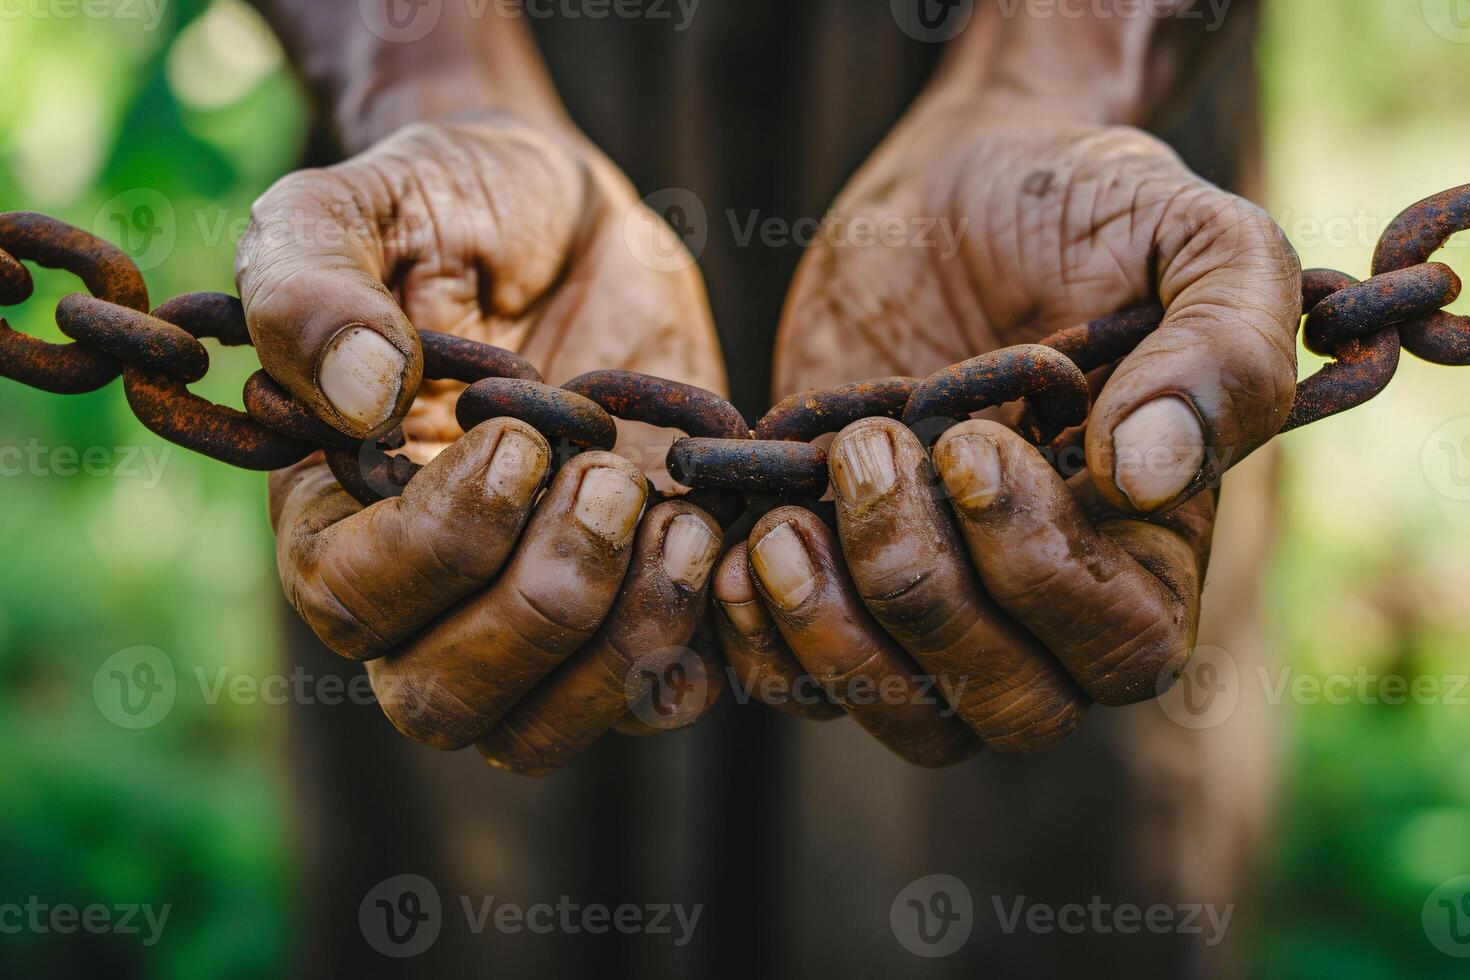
(478, 598)
(1025, 595)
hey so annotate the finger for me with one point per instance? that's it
(907, 561)
(453, 682)
(311, 273)
(1217, 379)
(800, 576)
(1118, 605)
(638, 648)
(367, 579)
(761, 665)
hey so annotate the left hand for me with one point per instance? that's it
(1024, 596)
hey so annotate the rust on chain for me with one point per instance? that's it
(217, 315)
(672, 405)
(16, 284)
(107, 272)
(564, 417)
(1104, 340)
(134, 338)
(451, 358)
(169, 409)
(1418, 232)
(166, 406)
(658, 401)
(1367, 307)
(806, 415)
(769, 467)
(1053, 385)
(369, 475)
(1361, 366)
(273, 407)
(363, 467)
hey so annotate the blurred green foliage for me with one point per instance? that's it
(100, 121)
(1361, 99)
(173, 129)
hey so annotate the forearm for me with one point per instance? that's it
(1088, 61)
(369, 85)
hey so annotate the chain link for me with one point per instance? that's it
(1361, 326)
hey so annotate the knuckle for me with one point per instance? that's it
(528, 744)
(1140, 667)
(423, 708)
(554, 622)
(339, 623)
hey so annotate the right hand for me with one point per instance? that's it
(485, 613)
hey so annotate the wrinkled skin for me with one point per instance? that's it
(487, 611)
(1023, 596)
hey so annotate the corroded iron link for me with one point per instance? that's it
(107, 272)
(1365, 308)
(1361, 366)
(750, 466)
(672, 405)
(452, 358)
(132, 337)
(808, 414)
(1051, 382)
(1411, 238)
(1106, 339)
(564, 417)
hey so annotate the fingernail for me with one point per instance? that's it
(862, 466)
(517, 468)
(361, 374)
(689, 551)
(970, 469)
(783, 566)
(1157, 451)
(608, 504)
(746, 617)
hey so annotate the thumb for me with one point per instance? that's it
(310, 270)
(1216, 380)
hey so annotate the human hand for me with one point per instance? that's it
(484, 614)
(1023, 595)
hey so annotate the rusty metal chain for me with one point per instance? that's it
(1361, 326)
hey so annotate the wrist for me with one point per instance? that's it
(371, 80)
(1050, 61)
(378, 104)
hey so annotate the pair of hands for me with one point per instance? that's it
(493, 613)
